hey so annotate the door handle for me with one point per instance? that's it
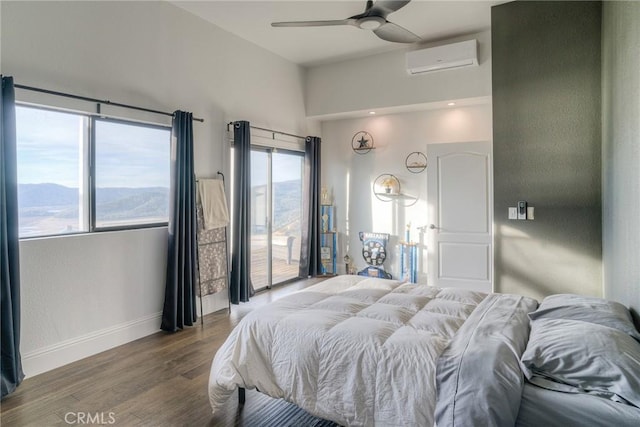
(432, 226)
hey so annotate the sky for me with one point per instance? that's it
(49, 150)
(286, 167)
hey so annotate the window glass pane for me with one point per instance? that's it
(50, 169)
(132, 172)
(259, 219)
(287, 215)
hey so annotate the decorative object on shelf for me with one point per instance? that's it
(325, 253)
(416, 162)
(328, 253)
(374, 252)
(325, 222)
(328, 241)
(389, 185)
(347, 264)
(362, 142)
(386, 187)
(325, 197)
(326, 214)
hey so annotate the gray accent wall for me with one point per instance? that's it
(621, 151)
(546, 80)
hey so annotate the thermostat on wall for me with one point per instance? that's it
(522, 210)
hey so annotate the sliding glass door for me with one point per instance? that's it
(276, 215)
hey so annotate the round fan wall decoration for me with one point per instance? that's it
(362, 142)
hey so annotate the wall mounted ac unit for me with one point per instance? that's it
(445, 57)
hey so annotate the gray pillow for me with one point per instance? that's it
(582, 357)
(588, 309)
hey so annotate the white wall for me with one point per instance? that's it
(349, 176)
(82, 294)
(382, 81)
(621, 152)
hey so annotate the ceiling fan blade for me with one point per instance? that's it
(314, 23)
(395, 33)
(385, 7)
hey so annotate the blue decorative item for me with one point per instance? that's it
(408, 258)
(328, 241)
(409, 262)
(374, 252)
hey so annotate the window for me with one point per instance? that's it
(131, 174)
(50, 147)
(276, 215)
(58, 191)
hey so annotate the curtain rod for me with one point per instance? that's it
(272, 131)
(99, 101)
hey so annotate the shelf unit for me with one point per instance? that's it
(328, 241)
(363, 150)
(395, 196)
(416, 162)
(362, 142)
(391, 190)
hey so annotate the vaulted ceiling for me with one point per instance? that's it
(251, 20)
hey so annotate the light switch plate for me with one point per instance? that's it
(530, 212)
(513, 213)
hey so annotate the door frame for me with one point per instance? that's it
(270, 206)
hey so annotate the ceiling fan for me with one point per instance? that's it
(374, 18)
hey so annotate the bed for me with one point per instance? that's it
(365, 351)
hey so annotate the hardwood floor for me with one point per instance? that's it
(159, 380)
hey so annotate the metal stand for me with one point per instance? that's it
(226, 242)
(226, 253)
(199, 277)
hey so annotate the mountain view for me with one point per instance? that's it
(287, 206)
(46, 209)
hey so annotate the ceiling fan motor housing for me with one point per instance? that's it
(371, 22)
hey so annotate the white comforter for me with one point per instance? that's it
(352, 349)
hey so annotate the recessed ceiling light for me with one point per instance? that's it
(451, 104)
(372, 112)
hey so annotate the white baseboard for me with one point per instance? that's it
(60, 354)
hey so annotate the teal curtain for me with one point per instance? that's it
(310, 260)
(10, 364)
(240, 287)
(180, 287)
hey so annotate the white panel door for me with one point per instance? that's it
(459, 196)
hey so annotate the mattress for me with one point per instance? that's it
(542, 407)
